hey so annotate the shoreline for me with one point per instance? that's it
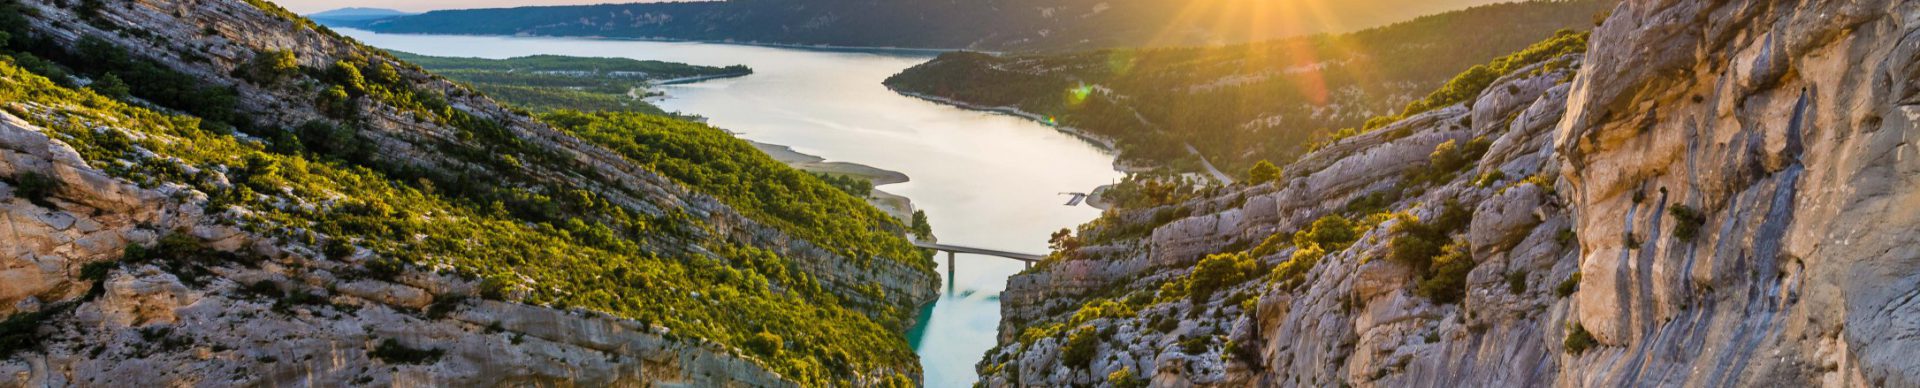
(1105, 143)
(900, 207)
(698, 78)
(799, 46)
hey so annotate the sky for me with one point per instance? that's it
(310, 6)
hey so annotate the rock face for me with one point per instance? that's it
(1715, 194)
(275, 311)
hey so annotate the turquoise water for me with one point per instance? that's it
(985, 180)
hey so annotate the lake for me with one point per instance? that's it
(985, 180)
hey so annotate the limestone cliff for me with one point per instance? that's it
(1717, 193)
(246, 299)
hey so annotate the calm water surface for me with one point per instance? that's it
(985, 180)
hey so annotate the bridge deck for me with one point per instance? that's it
(1030, 258)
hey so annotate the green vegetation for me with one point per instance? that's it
(1517, 282)
(35, 187)
(713, 162)
(1567, 287)
(20, 332)
(552, 82)
(523, 242)
(1686, 222)
(1431, 250)
(853, 185)
(1578, 339)
(1080, 346)
(1124, 378)
(1262, 173)
(1447, 161)
(1446, 280)
(1218, 271)
(921, 227)
(393, 352)
(1476, 79)
(1240, 104)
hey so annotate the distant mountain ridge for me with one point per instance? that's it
(992, 25)
(357, 14)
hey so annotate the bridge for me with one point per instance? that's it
(951, 250)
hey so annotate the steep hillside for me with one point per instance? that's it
(1710, 195)
(1237, 105)
(221, 193)
(993, 25)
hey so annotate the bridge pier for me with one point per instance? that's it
(950, 279)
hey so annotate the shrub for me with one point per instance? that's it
(327, 139)
(336, 101)
(1195, 344)
(36, 188)
(1263, 172)
(1124, 378)
(392, 351)
(1517, 282)
(1220, 271)
(111, 86)
(1578, 339)
(1293, 272)
(1331, 232)
(1447, 282)
(1567, 287)
(1103, 308)
(766, 344)
(271, 67)
(20, 332)
(1415, 243)
(347, 76)
(1686, 222)
(1080, 346)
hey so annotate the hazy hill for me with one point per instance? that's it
(996, 25)
(351, 14)
(1242, 103)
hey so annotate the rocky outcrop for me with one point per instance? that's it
(1709, 197)
(143, 323)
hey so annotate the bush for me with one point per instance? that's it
(20, 332)
(1415, 243)
(1124, 378)
(766, 344)
(271, 67)
(111, 86)
(36, 188)
(1331, 232)
(327, 139)
(1262, 172)
(392, 351)
(1578, 339)
(1517, 282)
(1080, 346)
(1447, 282)
(1219, 271)
(347, 76)
(1567, 287)
(1686, 222)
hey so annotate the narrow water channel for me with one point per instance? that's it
(985, 180)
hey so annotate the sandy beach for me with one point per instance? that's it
(895, 205)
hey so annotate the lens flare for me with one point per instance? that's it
(1078, 95)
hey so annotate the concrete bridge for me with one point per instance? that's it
(951, 250)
